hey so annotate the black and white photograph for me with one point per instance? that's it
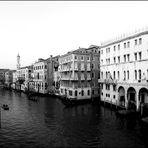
(73, 74)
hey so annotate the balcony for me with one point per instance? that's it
(82, 69)
(88, 69)
(65, 78)
(74, 78)
(110, 81)
(89, 78)
(82, 78)
(75, 68)
(101, 80)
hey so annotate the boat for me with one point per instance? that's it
(5, 107)
(33, 98)
(126, 113)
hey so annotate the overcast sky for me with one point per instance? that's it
(40, 29)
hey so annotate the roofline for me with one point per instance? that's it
(126, 38)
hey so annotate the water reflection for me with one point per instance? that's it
(48, 123)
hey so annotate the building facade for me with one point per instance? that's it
(53, 74)
(9, 78)
(40, 76)
(79, 72)
(124, 70)
(2, 75)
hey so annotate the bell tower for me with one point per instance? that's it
(18, 61)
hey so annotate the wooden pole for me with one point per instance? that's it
(111, 104)
(0, 117)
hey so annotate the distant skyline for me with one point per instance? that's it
(38, 29)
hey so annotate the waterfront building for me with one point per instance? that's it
(9, 78)
(79, 73)
(2, 75)
(40, 76)
(124, 70)
(53, 74)
(24, 75)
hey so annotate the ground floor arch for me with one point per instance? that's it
(131, 98)
(143, 95)
(121, 92)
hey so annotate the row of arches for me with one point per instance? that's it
(130, 95)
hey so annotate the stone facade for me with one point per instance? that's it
(124, 71)
(79, 72)
(40, 76)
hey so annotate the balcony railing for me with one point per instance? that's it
(88, 68)
(82, 78)
(110, 81)
(89, 78)
(101, 80)
(82, 69)
(74, 78)
(76, 68)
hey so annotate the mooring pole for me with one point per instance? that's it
(0, 116)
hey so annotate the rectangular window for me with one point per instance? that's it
(128, 57)
(118, 46)
(136, 42)
(124, 58)
(140, 41)
(82, 58)
(118, 59)
(128, 44)
(114, 59)
(124, 45)
(135, 56)
(88, 58)
(114, 48)
(75, 57)
(139, 55)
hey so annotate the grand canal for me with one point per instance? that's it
(48, 123)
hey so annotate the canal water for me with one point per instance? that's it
(48, 123)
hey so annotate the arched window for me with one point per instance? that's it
(139, 74)
(106, 75)
(118, 75)
(88, 92)
(135, 74)
(128, 74)
(124, 75)
(82, 92)
(114, 75)
(76, 92)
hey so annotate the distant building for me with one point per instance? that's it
(18, 62)
(40, 76)
(79, 73)
(9, 78)
(124, 70)
(2, 75)
(53, 74)
(24, 75)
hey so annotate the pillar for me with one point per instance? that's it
(126, 99)
(137, 102)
